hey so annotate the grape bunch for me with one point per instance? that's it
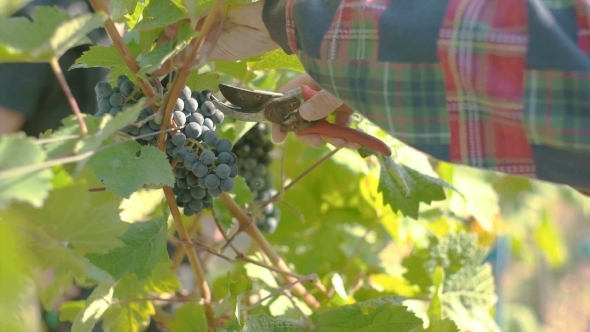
(204, 164)
(253, 165)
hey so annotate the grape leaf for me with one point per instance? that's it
(374, 315)
(71, 130)
(97, 303)
(126, 167)
(154, 59)
(51, 33)
(70, 309)
(234, 69)
(441, 325)
(145, 247)
(159, 14)
(435, 308)
(163, 280)
(119, 8)
(263, 322)
(277, 59)
(129, 315)
(205, 81)
(71, 214)
(107, 57)
(189, 318)
(468, 296)
(404, 188)
(16, 151)
(454, 251)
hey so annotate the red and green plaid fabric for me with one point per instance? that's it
(498, 85)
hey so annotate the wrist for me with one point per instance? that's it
(274, 16)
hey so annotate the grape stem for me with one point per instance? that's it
(54, 63)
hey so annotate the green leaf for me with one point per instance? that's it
(264, 323)
(189, 318)
(468, 296)
(128, 315)
(73, 215)
(404, 188)
(17, 150)
(159, 14)
(205, 81)
(48, 36)
(234, 69)
(119, 8)
(126, 167)
(70, 309)
(71, 128)
(109, 125)
(163, 280)
(441, 325)
(145, 247)
(156, 58)
(277, 59)
(381, 314)
(435, 309)
(97, 303)
(107, 57)
(454, 251)
(549, 239)
(8, 8)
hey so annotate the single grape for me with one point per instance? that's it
(211, 138)
(257, 152)
(200, 169)
(127, 88)
(234, 171)
(154, 125)
(189, 161)
(209, 124)
(147, 130)
(169, 144)
(224, 158)
(207, 108)
(261, 170)
(234, 158)
(122, 79)
(99, 114)
(175, 189)
(114, 111)
(206, 94)
(191, 105)
(116, 99)
(207, 157)
(179, 105)
(182, 183)
(257, 183)
(192, 180)
(103, 89)
(185, 93)
(202, 183)
(196, 204)
(179, 118)
(180, 173)
(178, 139)
(198, 193)
(268, 209)
(247, 175)
(207, 199)
(227, 184)
(187, 211)
(218, 117)
(212, 181)
(214, 192)
(223, 171)
(178, 153)
(193, 130)
(249, 163)
(224, 145)
(243, 150)
(104, 105)
(196, 117)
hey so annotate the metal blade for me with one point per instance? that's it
(246, 98)
(242, 114)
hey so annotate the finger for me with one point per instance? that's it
(314, 140)
(277, 135)
(353, 146)
(319, 106)
(303, 79)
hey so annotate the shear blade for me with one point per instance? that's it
(243, 98)
(242, 114)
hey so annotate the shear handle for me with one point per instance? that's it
(327, 129)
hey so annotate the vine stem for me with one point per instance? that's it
(192, 257)
(249, 228)
(179, 252)
(124, 51)
(54, 63)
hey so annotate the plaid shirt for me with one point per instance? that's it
(502, 85)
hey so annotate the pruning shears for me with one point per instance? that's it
(258, 106)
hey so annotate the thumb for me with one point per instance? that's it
(319, 106)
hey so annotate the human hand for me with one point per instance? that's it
(317, 107)
(244, 35)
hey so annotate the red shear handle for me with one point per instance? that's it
(325, 128)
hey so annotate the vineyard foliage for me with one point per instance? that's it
(366, 242)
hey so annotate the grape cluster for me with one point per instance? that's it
(253, 165)
(204, 164)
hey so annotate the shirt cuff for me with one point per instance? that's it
(274, 16)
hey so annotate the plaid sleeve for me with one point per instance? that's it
(499, 85)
